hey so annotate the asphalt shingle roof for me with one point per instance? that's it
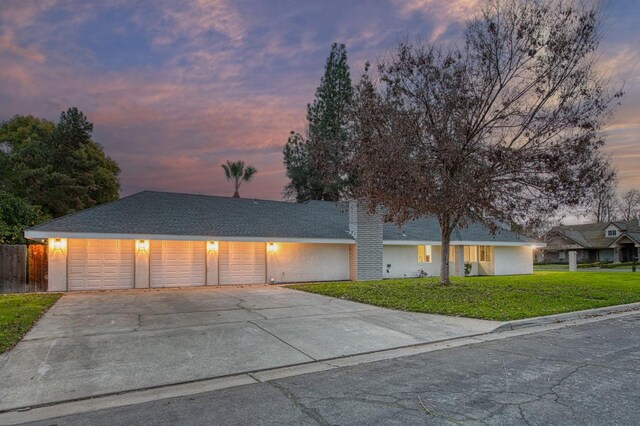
(166, 213)
(427, 229)
(591, 235)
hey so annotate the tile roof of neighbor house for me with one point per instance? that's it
(165, 213)
(591, 235)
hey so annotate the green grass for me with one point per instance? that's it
(494, 298)
(18, 313)
(565, 266)
(551, 267)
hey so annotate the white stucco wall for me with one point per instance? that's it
(513, 260)
(487, 268)
(302, 262)
(404, 261)
(505, 260)
(141, 279)
(474, 269)
(57, 271)
(212, 266)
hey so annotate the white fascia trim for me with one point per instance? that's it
(463, 243)
(37, 235)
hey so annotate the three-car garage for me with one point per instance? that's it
(105, 264)
(99, 264)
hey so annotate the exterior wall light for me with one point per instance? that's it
(57, 244)
(272, 247)
(212, 246)
(142, 246)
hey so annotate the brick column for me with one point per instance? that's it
(366, 229)
(458, 261)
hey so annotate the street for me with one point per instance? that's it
(587, 374)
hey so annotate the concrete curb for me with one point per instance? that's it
(569, 316)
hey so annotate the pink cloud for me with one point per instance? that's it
(170, 126)
(444, 13)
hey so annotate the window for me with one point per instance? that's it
(485, 253)
(562, 255)
(612, 233)
(470, 253)
(424, 254)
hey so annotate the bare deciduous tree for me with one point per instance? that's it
(629, 205)
(602, 202)
(504, 127)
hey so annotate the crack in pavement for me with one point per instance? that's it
(312, 413)
(283, 341)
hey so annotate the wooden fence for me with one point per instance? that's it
(23, 269)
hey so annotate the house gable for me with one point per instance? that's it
(612, 231)
(559, 241)
(627, 238)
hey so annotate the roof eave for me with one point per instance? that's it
(38, 235)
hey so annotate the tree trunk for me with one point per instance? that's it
(445, 231)
(236, 194)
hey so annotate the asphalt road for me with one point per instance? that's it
(583, 375)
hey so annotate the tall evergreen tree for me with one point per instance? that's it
(57, 168)
(326, 135)
(327, 114)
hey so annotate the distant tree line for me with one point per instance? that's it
(50, 169)
(607, 204)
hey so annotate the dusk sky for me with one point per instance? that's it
(175, 88)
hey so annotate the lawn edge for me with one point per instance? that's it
(59, 294)
(567, 316)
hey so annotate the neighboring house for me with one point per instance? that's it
(159, 239)
(593, 242)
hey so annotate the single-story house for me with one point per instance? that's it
(593, 242)
(160, 239)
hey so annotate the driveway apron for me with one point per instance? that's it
(98, 343)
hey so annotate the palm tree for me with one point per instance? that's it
(239, 173)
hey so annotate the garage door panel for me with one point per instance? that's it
(100, 264)
(242, 263)
(177, 263)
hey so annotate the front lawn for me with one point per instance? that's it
(18, 313)
(494, 298)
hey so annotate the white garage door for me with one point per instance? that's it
(100, 264)
(242, 263)
(177, 263)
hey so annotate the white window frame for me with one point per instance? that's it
(485, 253)
(425, 254)
(470, 253)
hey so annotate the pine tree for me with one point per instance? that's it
(326, 135)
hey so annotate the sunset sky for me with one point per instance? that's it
(175, 88)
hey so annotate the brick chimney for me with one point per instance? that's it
(365, 256)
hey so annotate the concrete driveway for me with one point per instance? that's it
(98, 343)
